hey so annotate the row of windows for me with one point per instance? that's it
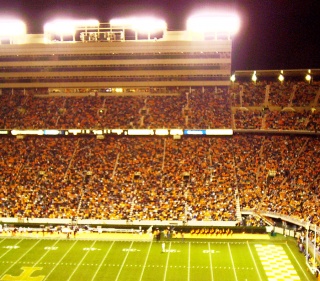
(116, 78)
(114, 56)
(113, 68)
(146, 89)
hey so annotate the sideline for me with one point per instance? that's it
(88, 235)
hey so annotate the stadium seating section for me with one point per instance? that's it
(161, 178)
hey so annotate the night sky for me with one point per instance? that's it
(274, 34)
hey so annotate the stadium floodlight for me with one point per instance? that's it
(214, 22)
(68, 27)
(254, 77)
(281, 77)
(141, 25)
(308, 77)
(233, 78)
(12, 27)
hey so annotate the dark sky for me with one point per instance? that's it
(274, 34)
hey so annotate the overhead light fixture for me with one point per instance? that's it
(308, 78)
(12, 27)
(233, 78)
(140, 24)
(254, 77)
(281, 77)
(214, 22)
(68, 26)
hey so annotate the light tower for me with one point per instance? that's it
(11, 29)
(143, 25)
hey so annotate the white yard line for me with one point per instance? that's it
(124, 261)
(234, 269)
(9, 250)
(145, 262)
(60, 261)
(189, 260)
(210, 258)
(167, 263)
(297, 262)
(45, 254)
(19, 258)
(254, 261)
(79, 263)
(101, 263)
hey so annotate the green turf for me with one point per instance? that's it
(77, 260)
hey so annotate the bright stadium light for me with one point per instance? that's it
(143, 24)
(308, 77)
(12, 27)
(68, 27)
(64, 27)
(254, 77)
(281, 77)
(215, 22)
(233, 78)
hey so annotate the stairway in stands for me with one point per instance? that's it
(238, 209)
(315, 102)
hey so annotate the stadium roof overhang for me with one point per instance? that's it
(291, 74)
(275, 73)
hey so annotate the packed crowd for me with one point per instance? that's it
(159, 178)
(275, 94)
(209, 109)
(153, 178)
(267, 106)
(276, 106)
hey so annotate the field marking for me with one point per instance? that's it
(45, 254)
(254, 261)
(234, 269)
(101, 263)
(25, 274)
(50, 248)
(297, 261)
(91, 249)
(60, 260)
(124, 261)
(19, 258)
(145, 261)
(10, 249)
(276, 263)
(210, 259)
(189, 260)
(166, 268)
(79, 263)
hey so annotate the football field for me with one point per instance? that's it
(28, 259)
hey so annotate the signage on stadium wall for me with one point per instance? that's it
(194, 132)
(27, 132)
(209, 132)
(129, 132)
(175, 132)
(162, 132)
(219, 132)
(51, 132)
(140, 132)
